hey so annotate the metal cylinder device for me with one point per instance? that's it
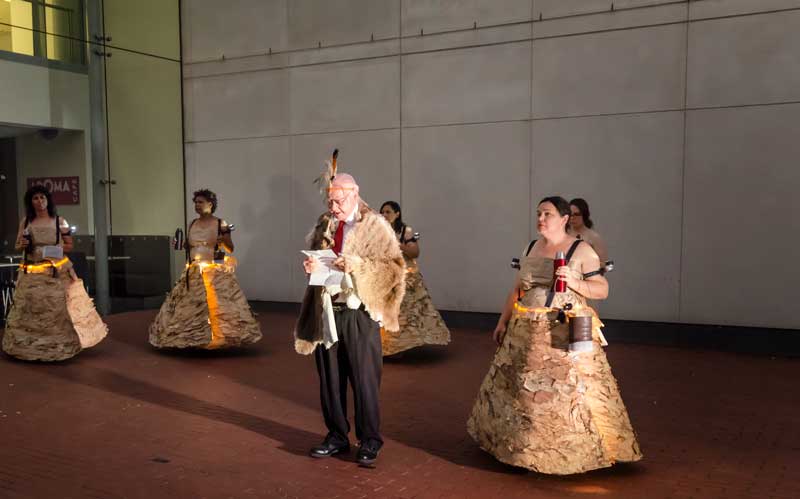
(178, 241)
(580, 334)
(560, 285)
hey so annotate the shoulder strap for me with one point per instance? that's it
(572, 249)
(219, 233)
(188, 249)
(27, 249)
(530, 247)
(58, 230)
(187, 246)
(189, 229)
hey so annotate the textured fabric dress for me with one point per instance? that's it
(52, 318)
(543, 407)
(206, 308)
(420, 322)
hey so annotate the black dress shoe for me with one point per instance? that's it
(367, 455)
(328, 449)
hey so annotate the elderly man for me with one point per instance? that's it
(341, 324)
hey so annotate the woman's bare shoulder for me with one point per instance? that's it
(585, 252)
(586, 234)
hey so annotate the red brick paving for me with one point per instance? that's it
(125, 421)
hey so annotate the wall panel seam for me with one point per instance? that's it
(683, 167)
(491, 122)
(531, 150)
(532, 20)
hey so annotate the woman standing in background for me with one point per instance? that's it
(420, 322)
(580, 225)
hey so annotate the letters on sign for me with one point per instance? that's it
(65, 190)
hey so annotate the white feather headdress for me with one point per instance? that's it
(326, 177)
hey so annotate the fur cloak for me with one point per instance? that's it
(379, 282)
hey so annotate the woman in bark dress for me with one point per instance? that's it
(420, 322)
(542, 406)
(52, 317)
(206, 308)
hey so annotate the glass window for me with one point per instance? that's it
(63, 23)
(16, 26)
(55, 29)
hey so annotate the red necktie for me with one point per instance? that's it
(338, 237)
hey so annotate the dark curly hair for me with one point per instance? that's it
(583, 207)
(38, 189)
(209, 195)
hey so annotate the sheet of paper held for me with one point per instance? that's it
(326, 274)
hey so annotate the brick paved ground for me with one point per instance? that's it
(125, 421)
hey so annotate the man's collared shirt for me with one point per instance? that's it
(349, 224)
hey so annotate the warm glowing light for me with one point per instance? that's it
(534, 310)
(589, 489)
(411, 269)
(37, 268)
(227, 263)
(217, 338)
(204, 267)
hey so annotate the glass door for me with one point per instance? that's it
(145, 149)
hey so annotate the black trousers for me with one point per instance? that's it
(357, 357)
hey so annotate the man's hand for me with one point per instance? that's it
(348, 263)
(310, 264)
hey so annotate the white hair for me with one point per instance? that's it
(344, 181)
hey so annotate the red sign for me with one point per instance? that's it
(65, 190)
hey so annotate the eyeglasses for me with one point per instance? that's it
(576, 214)
(340, 200)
